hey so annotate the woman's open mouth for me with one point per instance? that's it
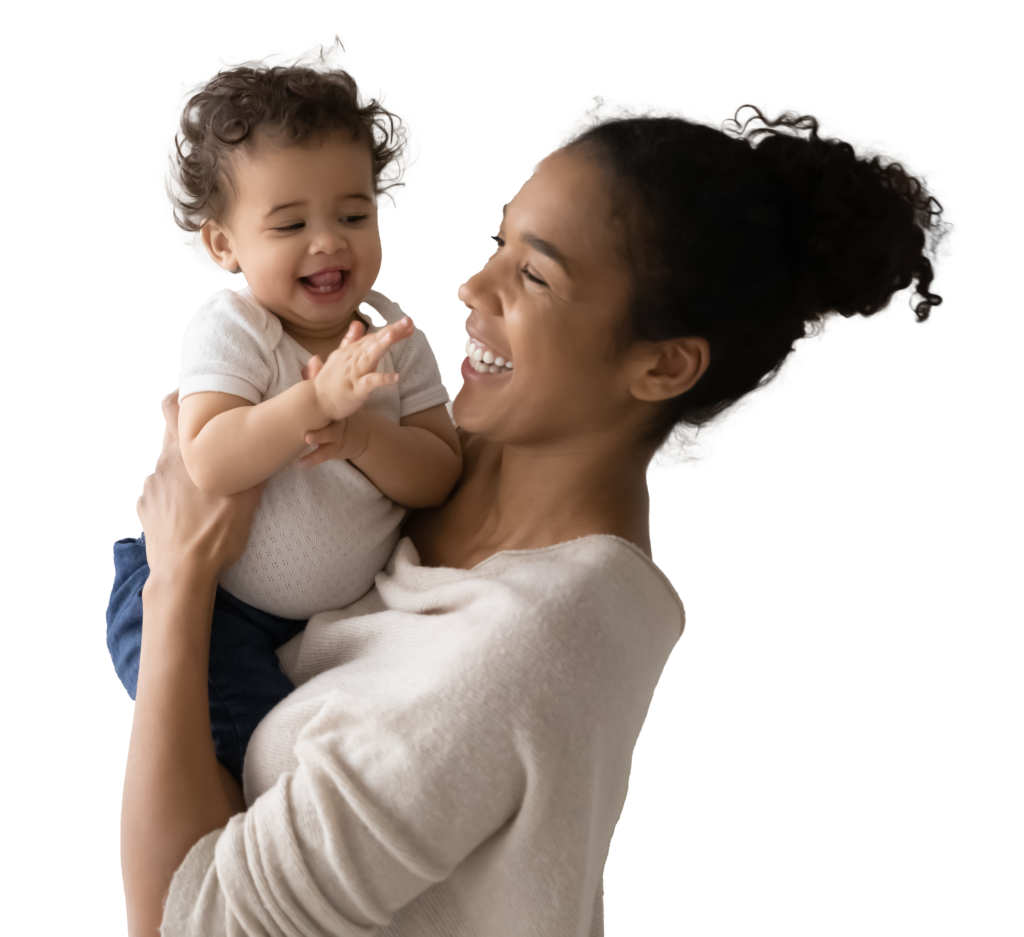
(476, 365)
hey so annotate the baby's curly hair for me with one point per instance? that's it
(296, 103)
(751, 235)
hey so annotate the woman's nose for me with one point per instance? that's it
(474, 292)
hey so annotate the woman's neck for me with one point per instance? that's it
(554, 495)
(527, 497)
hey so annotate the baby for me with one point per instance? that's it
(278, 169)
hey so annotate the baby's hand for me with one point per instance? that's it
(342, 439)
(349, 376)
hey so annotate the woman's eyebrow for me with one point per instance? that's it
(544, 247)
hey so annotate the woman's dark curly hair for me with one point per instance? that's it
(295, 103)
(750, 235)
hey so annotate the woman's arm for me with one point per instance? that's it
(175, 791)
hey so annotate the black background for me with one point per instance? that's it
(804, 713)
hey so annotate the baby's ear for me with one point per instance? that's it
(217, 242)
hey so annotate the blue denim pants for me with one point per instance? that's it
(245, 679)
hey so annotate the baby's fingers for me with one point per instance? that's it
(375, 345)
(368, 383)
(393, 333)
(317, 456)
(332, 432)
(356, 330)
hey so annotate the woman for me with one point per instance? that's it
(456, 754)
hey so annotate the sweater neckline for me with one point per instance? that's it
(504, 556)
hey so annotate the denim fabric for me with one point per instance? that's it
(245, 679)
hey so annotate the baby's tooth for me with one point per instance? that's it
(488, 357)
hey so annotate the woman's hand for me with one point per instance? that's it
(187, 528)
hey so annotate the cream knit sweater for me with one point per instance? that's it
(454, 759)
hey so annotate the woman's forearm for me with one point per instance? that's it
(229, 448)
(174, 790)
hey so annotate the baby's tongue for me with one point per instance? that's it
(329, 279)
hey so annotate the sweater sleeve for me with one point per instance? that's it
(450, 724)
(229, 348)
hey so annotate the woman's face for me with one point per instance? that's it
(550, 304)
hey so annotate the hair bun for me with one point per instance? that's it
(746, 237)
(849, 217)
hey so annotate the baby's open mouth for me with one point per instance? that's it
(327, 281)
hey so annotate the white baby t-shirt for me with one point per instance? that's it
(320, 534)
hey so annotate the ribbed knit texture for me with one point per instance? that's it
(454, 759)
(320, 534)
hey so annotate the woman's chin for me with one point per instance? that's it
(464, 412)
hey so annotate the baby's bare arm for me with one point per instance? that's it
(415, 463)
(229, 444)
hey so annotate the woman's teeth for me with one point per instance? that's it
(484, 361)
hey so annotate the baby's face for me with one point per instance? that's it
(302, 225)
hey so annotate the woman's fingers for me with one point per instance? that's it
(170, 408)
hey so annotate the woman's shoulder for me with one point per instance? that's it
(601, 562)
(601, 583)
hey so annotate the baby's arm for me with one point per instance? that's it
(229, 445)
(418, 462)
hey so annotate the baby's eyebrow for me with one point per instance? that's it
(544, 247)
(357, 195)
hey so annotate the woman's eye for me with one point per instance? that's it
(501, 243)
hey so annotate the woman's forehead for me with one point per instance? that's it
(566, 206)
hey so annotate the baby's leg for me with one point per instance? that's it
(124, 613)
(246, 681)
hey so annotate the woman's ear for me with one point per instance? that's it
(217, 241)
(670, 368)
